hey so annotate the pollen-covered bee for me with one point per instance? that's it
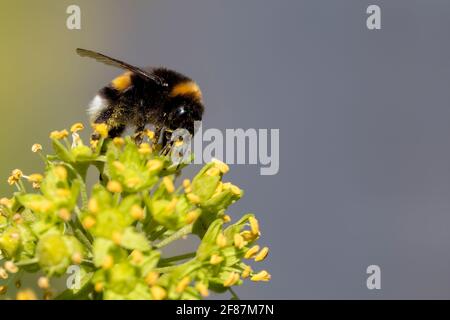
(140, 96)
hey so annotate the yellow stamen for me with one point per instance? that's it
(202, 289)
(219, 188)
(133, 182)
(98, 287)
(231, 280)
(248, 235)
(158, 292)
(11, 180)
(119, 166)
(64, 214)
(61, 172)
(117, 237)
(118, 141)
(94, 144)
(27, 294)
(41, 206)
(226, 186)
(88, 222)
(168, 184)
(114, 186)
(169, 209)
(149, 133)
(154, 165)
(239, 241)
(6, 202)
(17, 174)
(93, 205)
(64, 193)
(137, 212)
(137, 256)
(77, 258)
(3, 274)
(58, 135)
(222, 166)
(215, 259)
(17, 218)
(221, 240)
(35, 177)
(236, 190)
(182, 285)
(262, 254)
(192, 216)
(251, 252)
(246, 272)
(43, 283)
(3, 289)
(254, 225)
(36, 147)
(212, 172)
(186, 183)
(226, 218)
(145, 149)
(261, 276)
(10, 267)
(108, 262)
(151, 278)
(193, 198)
(76, 127)
(101, 129)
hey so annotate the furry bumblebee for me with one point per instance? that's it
(165, 98)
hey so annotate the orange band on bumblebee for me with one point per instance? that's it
(187, 88)
(122, 82)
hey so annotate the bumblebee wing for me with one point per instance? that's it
(120, 64)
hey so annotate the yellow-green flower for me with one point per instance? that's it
(116, 231)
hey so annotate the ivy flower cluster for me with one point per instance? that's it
(114, 232)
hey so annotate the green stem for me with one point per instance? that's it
(234, 295)
(27, 262)
(88, 263)
(83, 190)
(79, 227)
(83, 239)
(170, 268)
(175, 236)
(179, 257)
(22, 186)
(84, 196)
(157, 234)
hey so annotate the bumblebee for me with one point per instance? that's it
(162, 97)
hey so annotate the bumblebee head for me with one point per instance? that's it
(184, 111)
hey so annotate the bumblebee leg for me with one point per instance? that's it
(115, 127)
(139, 134)
(167, 143)
(113, 131)
(158, 131)
(116, 131)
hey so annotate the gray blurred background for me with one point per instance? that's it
(363, 116)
